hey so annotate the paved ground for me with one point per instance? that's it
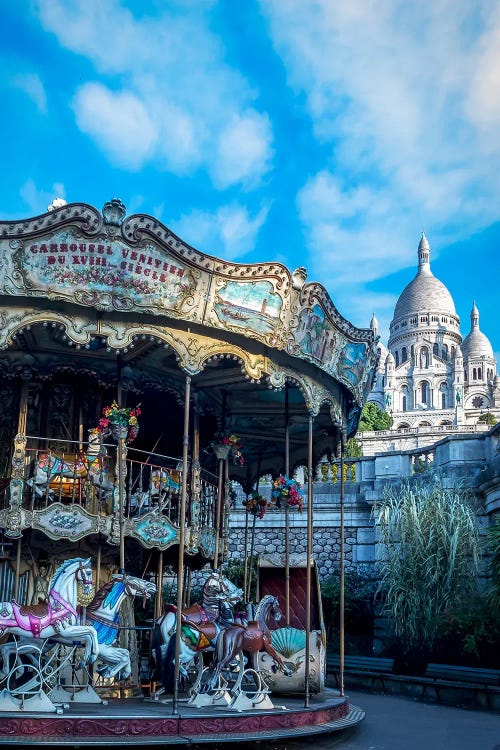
(399, 723)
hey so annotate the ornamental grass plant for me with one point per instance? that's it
(429, 556)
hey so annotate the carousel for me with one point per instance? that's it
(146, 388)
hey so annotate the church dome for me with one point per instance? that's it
(425, 292)
(476, 344)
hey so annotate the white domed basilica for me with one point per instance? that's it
(428, 375)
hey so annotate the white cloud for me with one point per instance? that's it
(32, 85)
(244, 151)
(406, 96)
(329, 211)
(118, 122)
(38, 200)
(230, 232)
(196, 111)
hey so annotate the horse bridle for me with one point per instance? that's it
(81, 575)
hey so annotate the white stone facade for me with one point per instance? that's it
(429, 376)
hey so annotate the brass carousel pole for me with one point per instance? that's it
(309, 557)
(122, 453)
(21, 430)
(287, 511)
(159, 584)
(122, 457)
(342, 567)
(182, 534)
(218, 512)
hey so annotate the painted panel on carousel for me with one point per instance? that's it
(321, 341)
(252, 306)
(154, 530)
(60, 521)
(103, 272)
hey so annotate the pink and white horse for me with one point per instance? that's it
(57, 617)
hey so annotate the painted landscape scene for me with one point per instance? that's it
(251, 305)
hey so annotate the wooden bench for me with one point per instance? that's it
(372, 667)
(474, 679)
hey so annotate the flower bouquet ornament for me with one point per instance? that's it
(256, 504)
(287, 492)
(227, 444)
(121, 421)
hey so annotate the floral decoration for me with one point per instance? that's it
(287, 491)
(256, 504)
(122, 416)
(233, 442)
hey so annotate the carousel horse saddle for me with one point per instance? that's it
(31, 617)
(199, 636)
(195, 615)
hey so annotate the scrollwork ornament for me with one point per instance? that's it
(18, 458)
(14, 523)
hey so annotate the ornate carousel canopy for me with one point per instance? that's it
(122, 301)
(103, 283)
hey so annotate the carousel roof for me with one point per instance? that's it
(123, 302)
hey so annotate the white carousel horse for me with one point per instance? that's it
(92, 463)
(201, 625)
(56, 618)
(103, 614)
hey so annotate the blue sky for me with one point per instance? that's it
(319, 133)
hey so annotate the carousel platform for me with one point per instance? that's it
(140, 721)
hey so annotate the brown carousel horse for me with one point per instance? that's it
(252, 638)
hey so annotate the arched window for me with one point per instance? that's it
(453, 350)
(396, 357)
(442, 394)
(412, 350)
(435, 349)
(404, 398)
(445, 352)
(424, 392)
(404, 354)
(474, 373)
(479, 373)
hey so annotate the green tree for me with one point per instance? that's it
(373, 418)
(487, 418)
(353, 448)
(429, 555)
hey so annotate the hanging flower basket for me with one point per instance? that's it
(225, 445)
(286, 492)
(257, 504)
(121, 421)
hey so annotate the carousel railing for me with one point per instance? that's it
(85, 473)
